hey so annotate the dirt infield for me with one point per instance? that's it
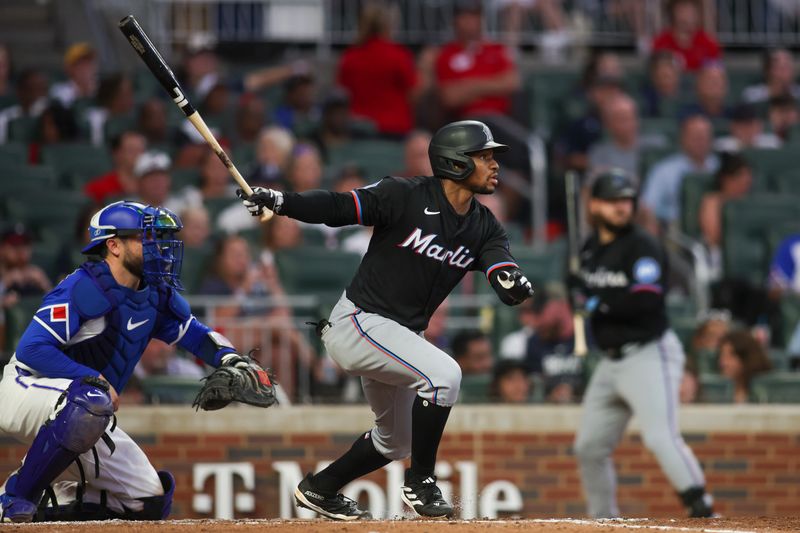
(717, 525)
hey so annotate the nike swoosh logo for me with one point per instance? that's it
(94, 394)
(134, 325)
(431, 212)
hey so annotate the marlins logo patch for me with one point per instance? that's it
(646, 270)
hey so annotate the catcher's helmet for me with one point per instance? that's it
(614, 184)
(454, 142)
(162, 252)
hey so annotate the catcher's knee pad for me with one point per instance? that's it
(82, 414)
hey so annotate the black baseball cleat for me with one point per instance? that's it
(336, 507)
(424, 497)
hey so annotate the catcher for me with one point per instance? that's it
(60, 390)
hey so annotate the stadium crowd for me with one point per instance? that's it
(699, 146)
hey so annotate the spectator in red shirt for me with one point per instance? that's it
(125, 150)
(685, 37)
(379, 75)
(476, 77)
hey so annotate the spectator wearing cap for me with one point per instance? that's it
(19, 277)
(746, 131)
(732, 181)
(80, 63)
(660, 201)
(510, 383)
(711, 90)
(662, 90)
(783, 116)
(154, 180)
(31, 91)
(379, 74)
(779, 78)
(685, 36)
(120, 181)
(273, 152)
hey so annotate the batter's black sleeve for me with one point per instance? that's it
(647, 270)
(494, 257)
(373, 205)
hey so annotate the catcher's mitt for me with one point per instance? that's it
(238, 379)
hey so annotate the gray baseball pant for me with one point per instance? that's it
(644, 382)
(395, 365)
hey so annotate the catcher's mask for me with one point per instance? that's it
(452, 145)
(162, 252)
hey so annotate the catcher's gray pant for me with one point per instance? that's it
(645, 383)
(27, 401)
(395, 365)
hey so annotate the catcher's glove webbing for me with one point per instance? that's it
(238, 379)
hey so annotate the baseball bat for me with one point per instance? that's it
(147, 51)
(573, 232)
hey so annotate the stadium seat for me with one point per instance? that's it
(377, 158)
(768, 163)
(244, 156)
(22, 129)
(56, 223)
(114, 126)
(707, 362)
(693, 187)
(310, 270)
(216, 205)
(12, 154)
(790, 316)
(170, 389)
(787, 182)
(196, 264)
(776, 387)
(77, 159)
(21, 179)
(746, 225)
(184, 177)
(17, 319)
(780, 359)
(545, 266)
(715, 389)
(475, 389)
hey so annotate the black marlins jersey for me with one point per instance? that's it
(628, 278)
(420, 248)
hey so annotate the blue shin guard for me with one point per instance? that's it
(82, 415)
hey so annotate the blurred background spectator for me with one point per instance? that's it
(685, 36)
(741, 358)
(510, 383)
(80, 64)
(126, 148)
(473, 353)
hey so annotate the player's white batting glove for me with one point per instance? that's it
(515, 284)
(260, 199)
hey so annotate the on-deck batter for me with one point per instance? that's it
(59, 391)
(623, 277)
(428, 232)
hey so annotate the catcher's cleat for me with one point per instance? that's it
(337, 507)
(424, 497)
(17, 510)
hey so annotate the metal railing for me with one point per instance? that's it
(288, 345)
(172, 23)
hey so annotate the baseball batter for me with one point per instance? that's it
(60, 390)
(623, 277)
(428, 232)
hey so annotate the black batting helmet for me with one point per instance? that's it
(614, 184)
(454, 142)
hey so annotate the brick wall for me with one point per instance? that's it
(750, 473)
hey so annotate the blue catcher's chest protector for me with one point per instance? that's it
(118, 323)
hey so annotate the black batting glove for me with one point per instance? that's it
(261, 199)
(513, 285)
